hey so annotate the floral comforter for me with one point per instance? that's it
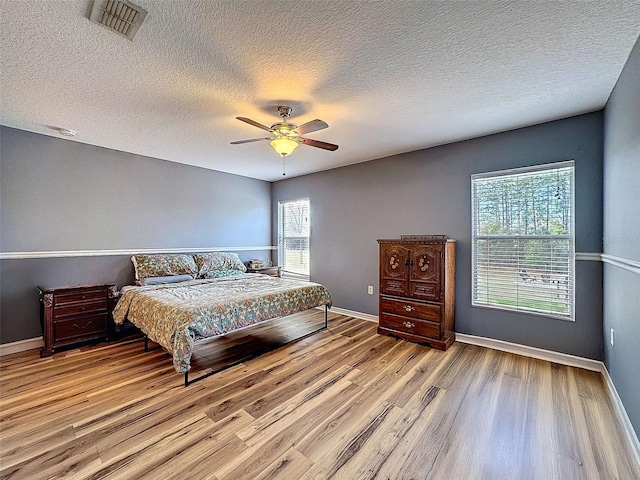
(177, 315)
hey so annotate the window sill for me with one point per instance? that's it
(523, 311)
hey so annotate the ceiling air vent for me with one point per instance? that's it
(119, 16)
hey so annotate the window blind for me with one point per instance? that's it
(523, 239)
(294, 229)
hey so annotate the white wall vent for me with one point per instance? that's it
(119, 16)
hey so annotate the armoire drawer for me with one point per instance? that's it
(410, 309)
(423, 328)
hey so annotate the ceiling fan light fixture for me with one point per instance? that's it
(285, 137)
(284, 146)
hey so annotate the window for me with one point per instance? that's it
(294, 228)
(523, 239)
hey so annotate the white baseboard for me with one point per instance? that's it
(555, 357)
(571, 361)
(622, 413)
(539, 353)
(21, 346)
(352, 313)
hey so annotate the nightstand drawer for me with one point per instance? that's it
(81, 308)
(80, 326)
(410, 325)
(410, 309)
(86, 296)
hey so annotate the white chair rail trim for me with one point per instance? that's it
(625, 263)
(621, 262)
(130, 251)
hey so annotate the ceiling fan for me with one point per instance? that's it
(285, 137)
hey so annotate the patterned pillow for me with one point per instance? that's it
(162, 265)
(224, 273)
(210, 264)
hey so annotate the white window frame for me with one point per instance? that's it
(291, 270)
(526, 288)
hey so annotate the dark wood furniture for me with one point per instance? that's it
(70, 315)
(274, 271)
(417, 289)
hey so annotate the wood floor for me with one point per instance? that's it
(343, 403)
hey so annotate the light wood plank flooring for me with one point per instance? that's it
(343, 403)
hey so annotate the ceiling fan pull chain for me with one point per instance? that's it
(284, 172)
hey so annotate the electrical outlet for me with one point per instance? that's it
(612, 338)
(370, 289)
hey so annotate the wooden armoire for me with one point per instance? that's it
(417, 289)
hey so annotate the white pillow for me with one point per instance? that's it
(167, 279)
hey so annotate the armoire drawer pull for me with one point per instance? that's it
(409, 324)
(409, 308)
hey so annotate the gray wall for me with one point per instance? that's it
(622, 235)
(61, 195)
(428, 192)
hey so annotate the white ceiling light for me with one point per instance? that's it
(65, 132)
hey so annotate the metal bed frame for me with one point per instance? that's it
(188, 382)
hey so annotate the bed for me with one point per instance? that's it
(180, 301)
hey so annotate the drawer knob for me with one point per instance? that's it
(408, 308)
(83, 297)
(408, 324)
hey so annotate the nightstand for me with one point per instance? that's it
(71, 315)
(274, 271)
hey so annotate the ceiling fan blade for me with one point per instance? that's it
(238, 142)
(312, 126)
(319, 144)
(254, 123)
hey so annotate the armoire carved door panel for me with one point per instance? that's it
(425, 272)
(394, 267)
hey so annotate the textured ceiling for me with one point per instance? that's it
(387, 76)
